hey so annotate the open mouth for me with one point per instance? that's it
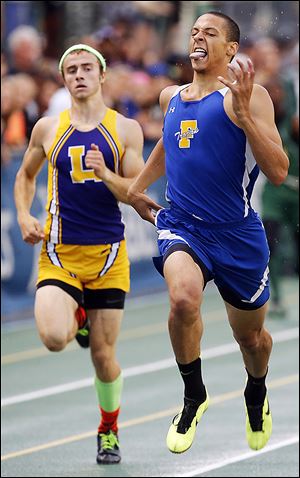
(198, 54)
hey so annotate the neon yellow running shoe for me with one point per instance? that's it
(258, 425)
(183, 428)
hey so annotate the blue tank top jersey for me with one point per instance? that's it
(81, 209)
(210, 168)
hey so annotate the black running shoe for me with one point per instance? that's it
(108, 448)
(83, 334)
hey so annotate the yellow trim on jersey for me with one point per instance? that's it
(53, 200)
(110, 124)
(63, 125)
(111, 145)
(53, 224)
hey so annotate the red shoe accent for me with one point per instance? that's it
(108, 421)
(80, 316)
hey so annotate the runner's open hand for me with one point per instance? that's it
(144, 205)
(241, 87)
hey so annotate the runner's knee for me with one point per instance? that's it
(55, 342)
(250, 340)
(102, 357)
(184, 304)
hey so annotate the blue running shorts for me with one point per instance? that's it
(234, 255)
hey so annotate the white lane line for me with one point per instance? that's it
(244, 456)
(280, 382)
(221, 350)
(139, 331)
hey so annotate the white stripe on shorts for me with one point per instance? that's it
(167, 234)
(110, 259)
(52, 254)
(260, 289)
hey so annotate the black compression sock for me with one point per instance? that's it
(192, 377)
(255, 390)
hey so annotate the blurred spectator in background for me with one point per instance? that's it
(46, 93)
(29, 80)
(280, 205)
(138, 70)
(149, 115)
(58, 102)
(7, 107)
(88, 16)
(25, 49)
(19, 110)
(267, 60)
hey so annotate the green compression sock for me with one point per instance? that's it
(109, 393)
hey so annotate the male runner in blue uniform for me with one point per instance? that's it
(218, 132)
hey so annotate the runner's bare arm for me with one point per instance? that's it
(24, 189)
(252, 107)
(153, 170)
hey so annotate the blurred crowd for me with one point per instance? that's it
(139, 68)
(140, 48)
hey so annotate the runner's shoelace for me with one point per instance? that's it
(108, 441)
(187, 415)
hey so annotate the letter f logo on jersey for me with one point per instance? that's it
(187, 130)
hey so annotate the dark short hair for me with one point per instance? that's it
(233, 31)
